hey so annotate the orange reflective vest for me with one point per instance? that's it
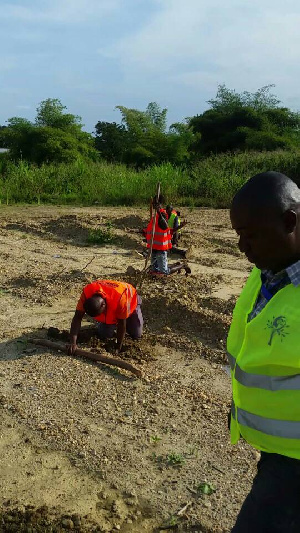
(120, 297)
(162, 237)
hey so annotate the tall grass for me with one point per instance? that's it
(212, 181)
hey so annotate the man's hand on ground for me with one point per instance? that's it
(71, 348)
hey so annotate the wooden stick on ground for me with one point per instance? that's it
(89, 355)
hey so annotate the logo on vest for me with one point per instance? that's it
(278, 326)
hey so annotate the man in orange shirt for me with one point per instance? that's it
(115, 305)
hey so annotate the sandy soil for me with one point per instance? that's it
(90, 448)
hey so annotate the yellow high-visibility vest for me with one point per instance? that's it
(173, 215)
(264, 355)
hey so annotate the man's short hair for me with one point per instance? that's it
(269, 190)
(92, 305)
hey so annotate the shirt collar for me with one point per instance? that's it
(293, 272)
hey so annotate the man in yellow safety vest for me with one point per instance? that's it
(264, 351)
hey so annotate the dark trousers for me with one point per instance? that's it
(273, 504)
(134, 325)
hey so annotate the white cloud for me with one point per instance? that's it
(244, 44)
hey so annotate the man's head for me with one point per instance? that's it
(169, 209)
(95, 305)
(158, 201)
(265, 214)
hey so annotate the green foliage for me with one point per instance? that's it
(155, 439)
(175, 459)
(206, 488)
(54, 137)
(227, 100)
(50, 113)
(142, 140)
(112, 141)
(210, 182)
(244, 121)
(102, 236)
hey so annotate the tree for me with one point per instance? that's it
(244, 121)
(50, 113)
(111, 140)
(55, 136)
(227, 100)
(142, 138)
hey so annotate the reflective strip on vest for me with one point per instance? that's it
(261, 381)
(158, 243)
(233, 410)
(285, 429)
(156, 233)
(270, 383)
(129, 288)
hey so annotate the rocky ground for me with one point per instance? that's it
(87, 447)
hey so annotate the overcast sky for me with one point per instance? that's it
(96, 54)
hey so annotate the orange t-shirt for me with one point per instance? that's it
(121, 299)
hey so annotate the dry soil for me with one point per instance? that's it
(90, 448)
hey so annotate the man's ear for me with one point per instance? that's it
(289, 220)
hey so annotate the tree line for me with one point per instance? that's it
(234, 122)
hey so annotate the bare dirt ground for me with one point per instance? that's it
(90, 448)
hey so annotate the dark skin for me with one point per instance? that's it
(268, 238)
(76, 324)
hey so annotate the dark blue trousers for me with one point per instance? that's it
(273, 504)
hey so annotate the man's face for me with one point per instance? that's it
(263, 237)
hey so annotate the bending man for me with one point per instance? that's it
(115, 305)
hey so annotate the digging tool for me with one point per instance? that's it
(88, 354)
(152, 239)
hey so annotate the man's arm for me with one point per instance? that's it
(75, 327)
(121, 330)
(162, 221)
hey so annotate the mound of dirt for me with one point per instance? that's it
(44, 520)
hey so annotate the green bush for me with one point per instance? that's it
(210, 182)
(101, 236)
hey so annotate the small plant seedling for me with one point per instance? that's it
(173, 520)
(3, 292)
(175, 459)
(155, 439)
(206, 488)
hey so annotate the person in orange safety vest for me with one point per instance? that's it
(115, 305)
(162, 240)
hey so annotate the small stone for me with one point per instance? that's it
(67, 523)
(76, 519)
